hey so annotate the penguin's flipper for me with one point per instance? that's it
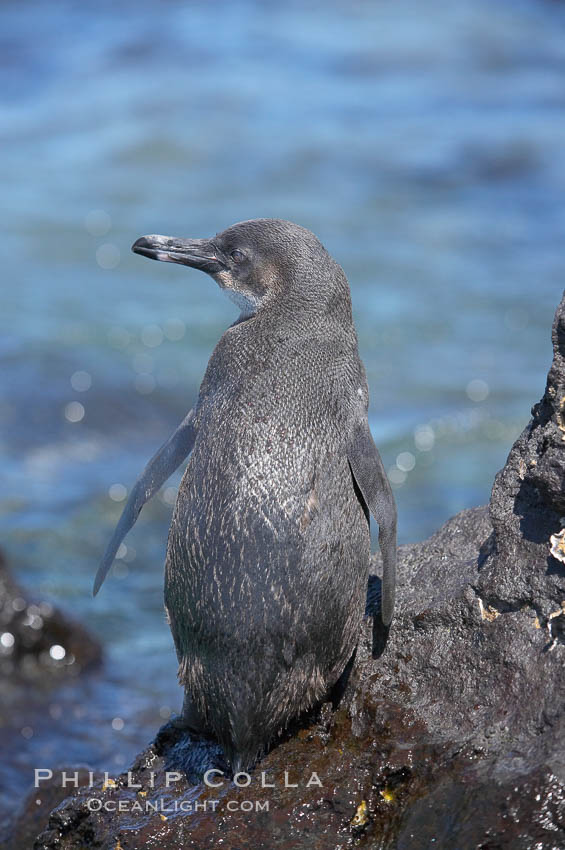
(371, 478)
(160, 467)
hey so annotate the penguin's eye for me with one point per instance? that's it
(237, 256)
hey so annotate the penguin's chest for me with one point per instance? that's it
(266, 494)
(266, 444)
(271, 483)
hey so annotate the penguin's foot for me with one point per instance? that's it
(180, 723)
(190, 719)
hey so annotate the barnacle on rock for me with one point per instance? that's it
(555, 626)
(561, 415)
(489, 613)
(557, 547)
(559, 613)
(361, 817)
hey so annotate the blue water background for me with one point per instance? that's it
(424, 143)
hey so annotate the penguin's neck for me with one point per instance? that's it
(246, 304)
(264, 341)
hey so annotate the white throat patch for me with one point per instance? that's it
(246, 303)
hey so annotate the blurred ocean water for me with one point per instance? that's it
(423, 143)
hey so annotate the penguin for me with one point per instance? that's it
(268, 551)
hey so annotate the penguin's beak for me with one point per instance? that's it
(197, 253)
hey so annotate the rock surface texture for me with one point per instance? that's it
(453, 737)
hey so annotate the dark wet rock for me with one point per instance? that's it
(528, 503)
(34, 812)
(36, 639)
(453, 737)
(40, 649)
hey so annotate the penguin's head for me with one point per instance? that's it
(258, 263)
